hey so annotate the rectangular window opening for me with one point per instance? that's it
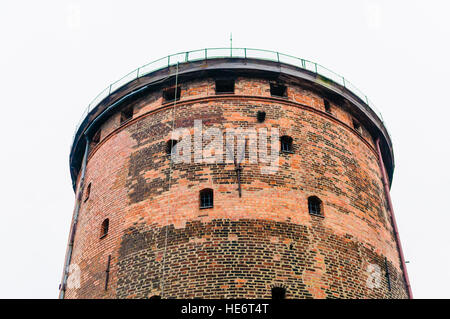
(206, 198)
(169, 94)
(126, 115)
(327, 106)
(278, 90)
(224, 86)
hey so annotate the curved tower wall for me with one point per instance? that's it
(161, 243)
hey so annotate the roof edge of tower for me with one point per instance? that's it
(235, 66)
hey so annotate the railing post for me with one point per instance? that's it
(110, 89)
(168, 60)
(343, 81)
(206, 54)
(137, 73)
(187, 57)
(245, 52)
(315, 64)
(278, 57)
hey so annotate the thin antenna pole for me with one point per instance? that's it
(231, 43)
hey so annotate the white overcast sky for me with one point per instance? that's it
(55, 56)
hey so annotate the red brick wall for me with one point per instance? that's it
(243, 246)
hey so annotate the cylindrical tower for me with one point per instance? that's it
(317, 224)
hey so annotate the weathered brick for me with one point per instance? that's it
(243, 246)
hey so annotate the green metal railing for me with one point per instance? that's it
(213, 53)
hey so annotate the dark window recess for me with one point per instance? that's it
(88, 192)
(278, 293)
(206, 198)
(286, 144)
(126, 115)
(105, 228)
(170, 94)
(357, 126)
(277, 89)
(155, 297)
(96, 137)
(224, 86)
(315, 206)
(327, 106)
(261, 116)
(171, 147)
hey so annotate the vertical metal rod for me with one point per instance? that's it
(163, 263)
(107, 272)
(388, 277)
(231, 44)
(237, 165)
(238, 171)
(394, 223)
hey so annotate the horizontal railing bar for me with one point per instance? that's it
(208, 53)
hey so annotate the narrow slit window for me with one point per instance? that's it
(171, 147)
(88, 192)
(224, 86)
(278, 90)
(206, 198)
(357, 126)
(327, 105)
(172, 94)
(315, 206)
(286, 144)
(278, 293)
(126, 115)
(261, 116)
(105, 228)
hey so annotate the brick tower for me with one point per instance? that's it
(320, 225)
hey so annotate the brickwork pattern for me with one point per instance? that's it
(242, 246)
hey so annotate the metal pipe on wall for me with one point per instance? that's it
(79, 197)
(393, 221)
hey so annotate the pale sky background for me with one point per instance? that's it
(55, 56)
